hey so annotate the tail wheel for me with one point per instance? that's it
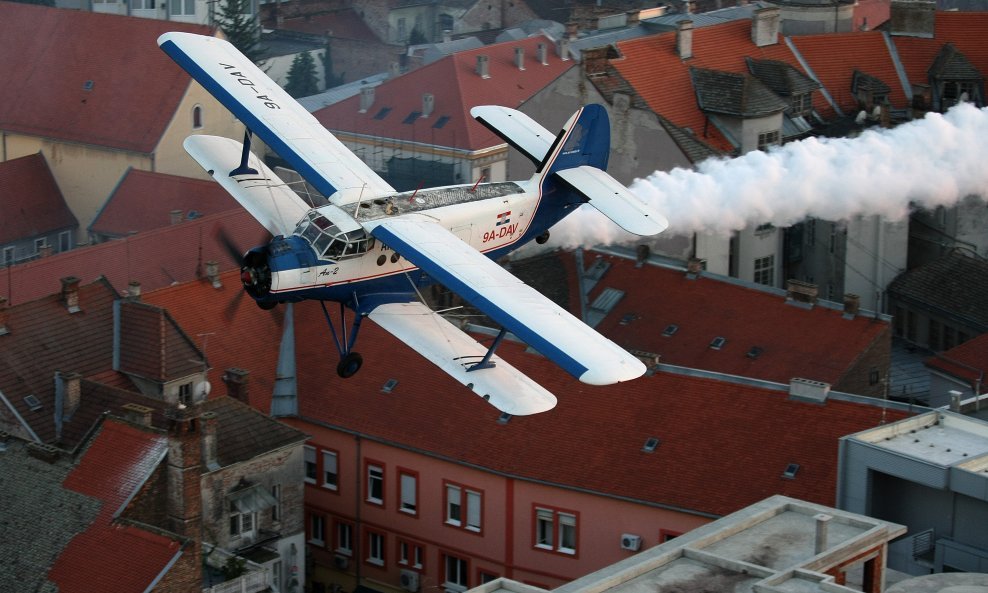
(349, 365)
(542, 238)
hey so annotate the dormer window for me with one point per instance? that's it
(801, 105)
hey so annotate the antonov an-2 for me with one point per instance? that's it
(372, 246)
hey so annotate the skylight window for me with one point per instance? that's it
(411, 117)
(791, 471)
(442, 121)
(628, 318)
(755, 352)
(88, 85)
(383, 113)
(670, 330)
(33, 402)
(650, 444)
(718, 343)
(504, 417)
(389, 386)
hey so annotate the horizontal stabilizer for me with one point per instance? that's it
(264, 194)
(443, 344)
(614, 200)
(512, 304)
(517, 129)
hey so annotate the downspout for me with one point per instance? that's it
(356, 511)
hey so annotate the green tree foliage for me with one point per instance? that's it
(416, 37)
(302, 80)
(327, 68)
(240, 27)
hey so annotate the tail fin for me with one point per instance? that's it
(584, 140)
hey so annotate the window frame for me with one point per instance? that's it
(276, 508)
(403, 473)
(559, 521)
(375, 547)
(410, 554)
(306, 449)
(314, 520)
(321, 475)
(465, 494)
(463, 568)
(763, 268)
(768, 139)
(339, 528)
(374, 484)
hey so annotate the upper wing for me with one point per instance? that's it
(264, 195)
(521, 309)
(443, 344)
(271, 113)
(517, 129)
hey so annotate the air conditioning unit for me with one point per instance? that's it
(630, 541)
(409, 580)
(342, 562)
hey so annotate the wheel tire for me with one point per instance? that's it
(349, 365)
(267, 305)
(542, 238)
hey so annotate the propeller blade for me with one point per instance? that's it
(231, 248)
(233, 305)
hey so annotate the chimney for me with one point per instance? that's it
(634, 17)
(520, 58)
(176, 216)
(820, 541)
(213, 273)
(73, 393)
(912, 18)
(594, 61)
(808, 390)
(765, 26)
(4, 330)
(134, 290)
(801, 292)
(684, 40)
(447, 35)
(542, 54)
(183, 469)
(428, 104)
(70, 294)
(641, 255)
(955, 400)
(694, 267)
(689, 6)
(366, 98)
(852, 303)
(394, 69)
(482, 68)
(571, 30)
(44, 251)
(236, 384)
(43, 451)
(563, 49)
(137, 414)
(210, 427)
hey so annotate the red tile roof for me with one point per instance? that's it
(156, 258)
(457, 87)
(870, 14)
(32, 203)
(135, 88)
(706, 308)
(966, 30)
(111, 556)
(341, 24)
(969, 361)
(724, 445)
(144, 200)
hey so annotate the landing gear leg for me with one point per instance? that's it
(350, 361)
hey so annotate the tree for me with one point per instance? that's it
(240, 27)
(327, 68)
(302, 80)
(416, 37)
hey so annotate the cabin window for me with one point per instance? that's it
(329, 242)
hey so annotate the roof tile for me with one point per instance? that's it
(30, 199)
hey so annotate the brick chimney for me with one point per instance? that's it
(542, 54)
(428, 104)
(765, 26)
(520, 58)
(176, 216)
(801, 292)
(684, 40)
(134, 290)
(210, 428)
(44, 251)
(483, 70)
(4, 330)
(595, 61)
(70, 294)
(366, 98)
(184, 475)
(213, 273)
(236, 384)
(694, 267)
(852, 303)
(136, 413)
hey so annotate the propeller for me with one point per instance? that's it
(252, 269)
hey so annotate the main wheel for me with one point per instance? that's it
(542, 238)
(349, 365)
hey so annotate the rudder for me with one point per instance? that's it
(584, 140)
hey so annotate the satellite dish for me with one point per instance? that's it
(202, 390)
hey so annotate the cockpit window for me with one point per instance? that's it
(329, 242)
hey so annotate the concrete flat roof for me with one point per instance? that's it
(938, 437)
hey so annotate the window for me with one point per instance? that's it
(276, 576)
(375, 547)
(874, 376)
(330, 476)
(185, 393)
(182, 7)
(402, 30)
(317, 529)
(142, 4)
(768, 139)
(555, 530)
(40, 244)
(765, 270)
(456, 571)
(344, 538)
(276, 508)
(375, 484)
(242, 524)
(196, 114)
(666, 535)
(408, 494)
(456, 497)
(310, 464)
(486, 577)
(411, 554)
(8, 256)
(800, 104)
(64, 241)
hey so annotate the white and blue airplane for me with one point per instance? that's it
(372, 247)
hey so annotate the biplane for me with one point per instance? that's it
(371, 248)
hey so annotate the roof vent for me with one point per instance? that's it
(389, 385)
(43, 451)
(503, 418)
(542, 52)
(520, 58)
(88, 85)
(670, 330)
(808, 390)
(482, 68)
(428, 104)
(718, 343)
(650, 444)
(755, 352)
(791, 471)
(33, 403)
(366, 98)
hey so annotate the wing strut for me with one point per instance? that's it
(485, 363)
(243, 169)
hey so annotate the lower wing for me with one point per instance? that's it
(443, 344)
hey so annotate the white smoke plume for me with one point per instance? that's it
(933, 161)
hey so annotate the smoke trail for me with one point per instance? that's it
(933, 161)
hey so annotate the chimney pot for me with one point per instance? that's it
(482, 67)
(137, 414)
(820, 542)
(852, 303)
(428, 104)
(236, 384)
(563, 49)
(520, 58)
(44, 251)
(70, 293)
(684, 40)
(955, 400)
(366, 98)
(542, 53)
(213, 273)
(134, 290)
